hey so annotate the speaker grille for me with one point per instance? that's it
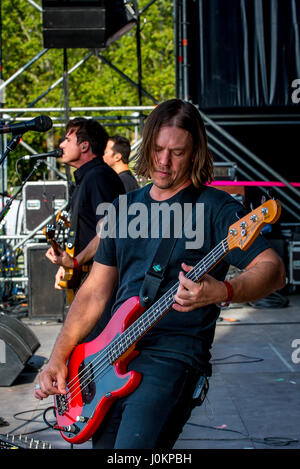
(43, 299)
(74, 27)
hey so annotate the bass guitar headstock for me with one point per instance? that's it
(49, 233)
(243, 233)
(62, 219)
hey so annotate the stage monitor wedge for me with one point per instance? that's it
(17, 345)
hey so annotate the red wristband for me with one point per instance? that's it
(229, 291)
(229, 294)
(75, 263)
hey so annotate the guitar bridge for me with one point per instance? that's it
(61, 404)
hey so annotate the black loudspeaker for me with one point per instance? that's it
(44, 301)
(85, 24)
(17, 345)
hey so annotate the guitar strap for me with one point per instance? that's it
(155, 274)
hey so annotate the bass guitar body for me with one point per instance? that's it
(95, 380)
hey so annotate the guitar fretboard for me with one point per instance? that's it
(150, 317)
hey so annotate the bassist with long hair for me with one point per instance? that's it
(135, 385)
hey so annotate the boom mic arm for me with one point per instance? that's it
(57, 153)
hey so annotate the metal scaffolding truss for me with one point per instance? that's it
(221, 142)
(135, 119)
(129, 116)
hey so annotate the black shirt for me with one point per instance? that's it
(129, 181)
(96, 182)
(185, 336)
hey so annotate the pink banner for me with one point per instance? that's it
(253, 183)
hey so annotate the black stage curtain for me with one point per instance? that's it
(241, 53)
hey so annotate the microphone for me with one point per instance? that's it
(55, 154)
(39, 124)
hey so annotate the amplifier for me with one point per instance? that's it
(294, 262)
(41, 199)
(225, 171)
(43, 299)
(10, 441)
(237, 192)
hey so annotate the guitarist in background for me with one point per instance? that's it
(83, 148)
(116, 155)
(175, 353)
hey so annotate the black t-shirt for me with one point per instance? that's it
(96, 182)
(129, 181)
(185, 336)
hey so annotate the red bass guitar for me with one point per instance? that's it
(98, 369)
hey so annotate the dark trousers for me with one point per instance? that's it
(154, 414)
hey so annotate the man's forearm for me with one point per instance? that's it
(88, 252)
(262, 276)
(86, 309)
(84, 313)
(258, 281)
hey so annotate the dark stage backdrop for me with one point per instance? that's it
(239, 53)
(238, 61)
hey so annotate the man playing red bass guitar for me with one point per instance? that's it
(175, 353)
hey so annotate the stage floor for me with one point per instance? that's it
(253, 400)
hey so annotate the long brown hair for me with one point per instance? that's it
(184, 115)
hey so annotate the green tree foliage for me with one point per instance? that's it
(92, 84)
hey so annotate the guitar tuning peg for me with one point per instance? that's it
(269, 194)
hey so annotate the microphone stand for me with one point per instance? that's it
(12, 144)
(11, 199)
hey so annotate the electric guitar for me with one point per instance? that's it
(72, 277)
(98, 369)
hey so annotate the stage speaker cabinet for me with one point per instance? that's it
(74, 24)
(91, 24)
(44, 301)
(225, 171)
(294, 262)
(40, 200)
(17, 345)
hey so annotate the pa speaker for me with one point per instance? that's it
(17, 345)
(85, 24)
(44, 301)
